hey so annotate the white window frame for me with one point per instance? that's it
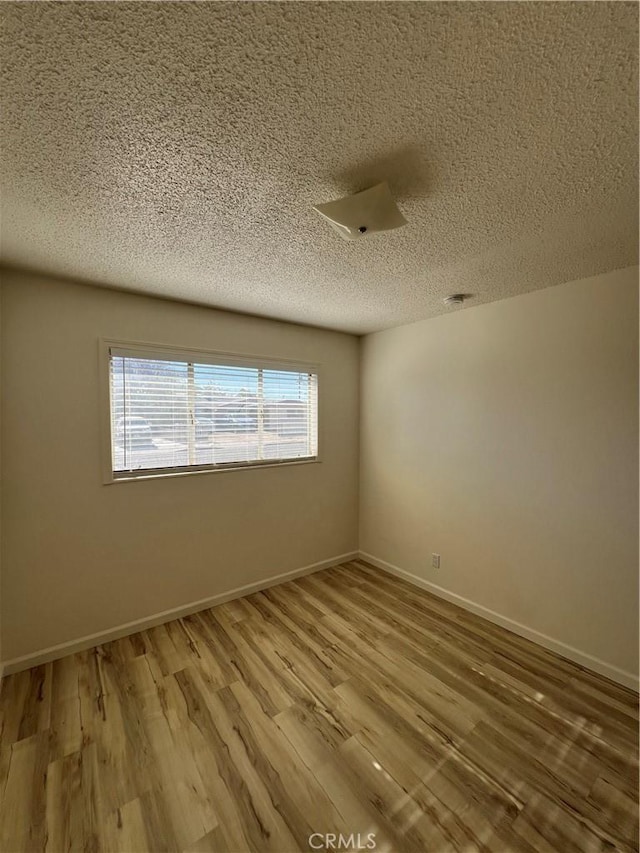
(140, 349)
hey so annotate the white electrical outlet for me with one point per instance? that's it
(435, 561)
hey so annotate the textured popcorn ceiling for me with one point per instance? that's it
(177, 149)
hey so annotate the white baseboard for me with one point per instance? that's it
(621, 676)
(71, 646)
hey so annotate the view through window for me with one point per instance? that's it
(175, 415)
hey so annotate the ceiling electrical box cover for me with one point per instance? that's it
(356, 216)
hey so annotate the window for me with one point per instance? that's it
(176, 412)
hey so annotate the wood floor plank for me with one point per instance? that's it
(124, 829)
(286, 778)
(233, 831)
(249, 668)
(23, 807)
(395, 808)
(310, 695)
(264, 823)
(530, 721)
(514, 767)
(344, 702)
(620, 809)
(177, 781)
(65, 731)
(13, 697)
(212, 842)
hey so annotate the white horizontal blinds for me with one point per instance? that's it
(149, 414)
(186, 414)
(290, 413)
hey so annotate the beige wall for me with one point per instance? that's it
(80, 557)
(505, 438)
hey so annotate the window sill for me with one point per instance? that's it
(241, 466)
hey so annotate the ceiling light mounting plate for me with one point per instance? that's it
(454, 299)
(362, 214)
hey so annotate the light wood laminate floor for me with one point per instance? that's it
(343, 702)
